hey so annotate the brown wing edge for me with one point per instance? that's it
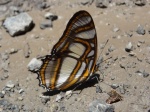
(44, 59)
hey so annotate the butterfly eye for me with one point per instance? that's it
(73, 58)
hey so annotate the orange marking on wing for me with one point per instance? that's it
(42, 72)
(85, 28)
(75, 71)
(85, 75)
(53, 80)
(65, 47)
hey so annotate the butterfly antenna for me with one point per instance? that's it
(101, 53)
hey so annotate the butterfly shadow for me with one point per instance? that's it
(77, 87)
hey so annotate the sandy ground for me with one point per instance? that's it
(136, 88)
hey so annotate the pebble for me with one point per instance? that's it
(140, 2)
(102, 3)
(43, 5)
(120, 2)
(129, 34)
(114, 86)
(10, 84)
(129, 47)
(86, 2)
(13, 11)
(21, 91)
(51, 16)
(132, 54)
(113, 78)
(116, 29)
(20, 98)
(46, 24)
(139, 44)
(140, 30)
(44, 99)
(13, 50)
(59, 97)
(34, 64)
(21, 23)
(3, 92)
(68, 94)
(143, 73)
(123, 65)
(111, 48)
(100, 106)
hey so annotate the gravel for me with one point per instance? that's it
(129, 49)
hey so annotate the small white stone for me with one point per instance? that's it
(13, 50)
(3, 92)
(68, 93)
(129, 47)
(116, 29)
(47, 15)
(21, 91)
(20, 98)
(58, 98)
(43, 96)
(34, 64)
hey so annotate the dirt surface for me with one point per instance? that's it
(118, 23)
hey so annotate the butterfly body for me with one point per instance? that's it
(73, 57)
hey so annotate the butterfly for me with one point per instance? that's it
(73, 58)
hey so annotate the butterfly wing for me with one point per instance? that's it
(73, 57)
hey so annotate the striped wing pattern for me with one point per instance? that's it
(73, 57)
